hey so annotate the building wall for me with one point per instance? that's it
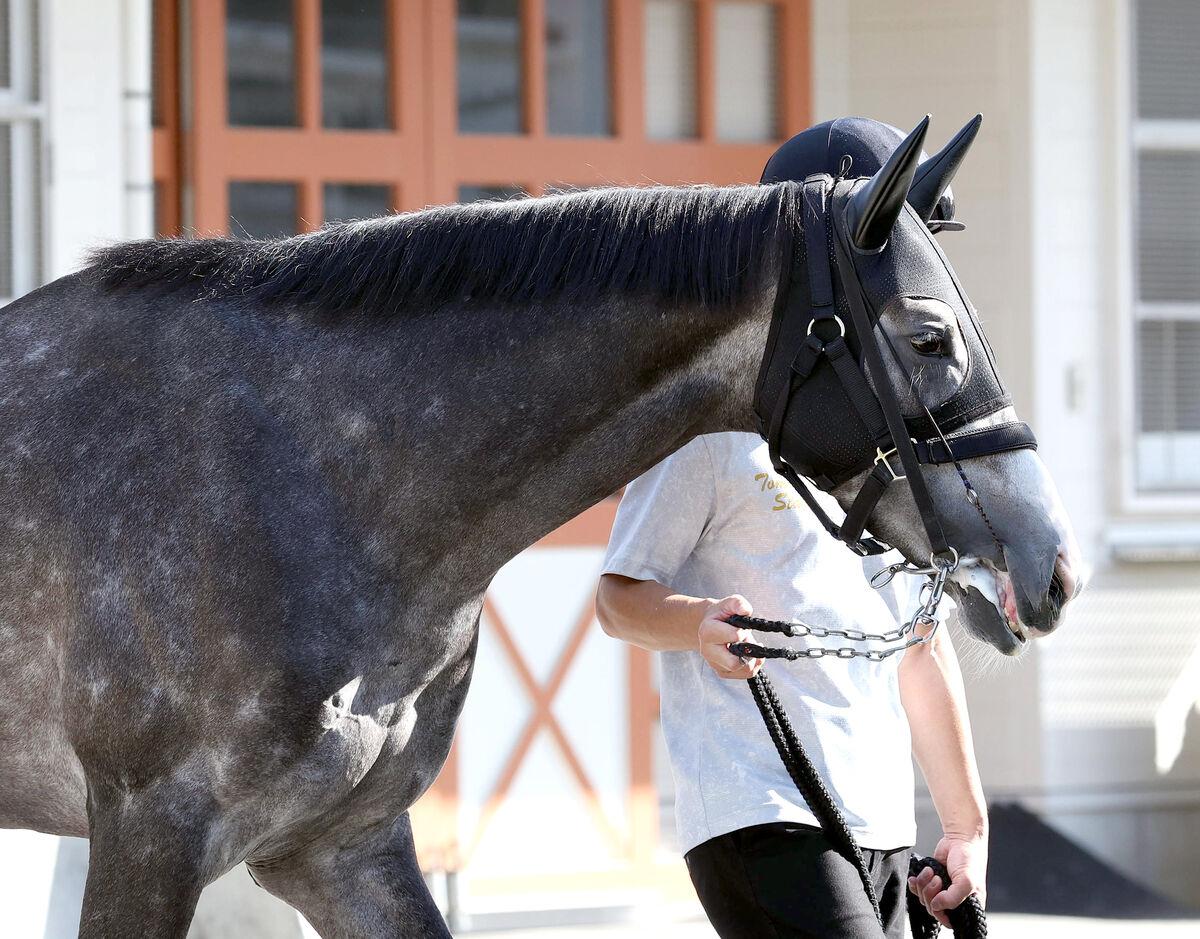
(88, 59)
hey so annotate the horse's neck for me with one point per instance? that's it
(560, 407)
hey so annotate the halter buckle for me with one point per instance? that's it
(881, 457)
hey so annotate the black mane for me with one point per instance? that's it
(699, 245)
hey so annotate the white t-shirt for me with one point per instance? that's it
(714, 519)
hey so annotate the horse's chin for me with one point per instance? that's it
(981, 597)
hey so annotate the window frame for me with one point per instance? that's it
(1138, 136)
(25, 114)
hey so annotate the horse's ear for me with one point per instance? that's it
(874, 207)
(934, 175)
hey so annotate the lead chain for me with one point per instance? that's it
(926, 615)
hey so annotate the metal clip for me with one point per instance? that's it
(881, 457)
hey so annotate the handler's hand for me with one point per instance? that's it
(715, 634)
(966, 863)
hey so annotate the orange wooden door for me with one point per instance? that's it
(418, 153)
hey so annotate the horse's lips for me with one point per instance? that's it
(996, 588)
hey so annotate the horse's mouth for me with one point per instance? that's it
(987, 607)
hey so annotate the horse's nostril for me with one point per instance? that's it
(1057, 596)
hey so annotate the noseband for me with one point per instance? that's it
(822, 359)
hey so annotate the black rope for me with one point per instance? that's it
(967, 919)
(809, 782)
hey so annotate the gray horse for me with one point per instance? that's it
(254, 493)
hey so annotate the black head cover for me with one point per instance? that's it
(868, 144)
(821, 433)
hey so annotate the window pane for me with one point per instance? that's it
(1168, 63)
(746, 71)
(263, 210)
(260, 55)
(158, 65)
(6, 227)
(1168, 446)
(356, 200)
(489, 66)
(35, 51)
(1169, 226)
(5, 74)
(670, 63)
(354, 63)
(473, 193)
(577, 85)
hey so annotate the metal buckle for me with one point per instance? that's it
(881, 457)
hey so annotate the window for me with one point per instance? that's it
(474, 193)
(489, 67)
(263, 210)
(577, 81)
(745, 88)
(1167, 245)
(354, 71)
(260, 38)
(345, 201)
(21, 117)
(670, 63)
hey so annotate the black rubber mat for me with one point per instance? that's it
(1034, 869)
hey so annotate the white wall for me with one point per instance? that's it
(88, 45)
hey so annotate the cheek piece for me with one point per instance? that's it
(814, 406)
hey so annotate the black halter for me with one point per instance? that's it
(811, 365)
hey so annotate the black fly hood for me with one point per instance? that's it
(835, 397)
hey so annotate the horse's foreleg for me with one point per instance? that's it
(145, 868)
(369, 889)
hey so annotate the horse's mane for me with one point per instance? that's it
(700, 245)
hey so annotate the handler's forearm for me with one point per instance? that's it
(647, 614)
(931, 690)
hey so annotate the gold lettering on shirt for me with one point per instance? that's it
(783, 496)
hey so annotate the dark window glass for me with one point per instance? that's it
(6, 228)
(263, 210)
(1169, 375)
(260, 54)
(577, 84)
(356, 200)
(1168, 63)
(157, 67)
(5, 71)
(489, 66)
(354, 64)
(1169, 226)
(473, 193)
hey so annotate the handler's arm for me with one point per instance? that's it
(647, 614)
(931, 690)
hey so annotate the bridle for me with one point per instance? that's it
(822, 354)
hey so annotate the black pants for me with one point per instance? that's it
(787, 881)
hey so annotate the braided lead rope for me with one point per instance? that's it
(810, 784)
(967, 919)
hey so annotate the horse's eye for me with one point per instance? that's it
(928, 343)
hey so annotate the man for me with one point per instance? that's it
(713, 531)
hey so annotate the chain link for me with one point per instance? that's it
(932, 590)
